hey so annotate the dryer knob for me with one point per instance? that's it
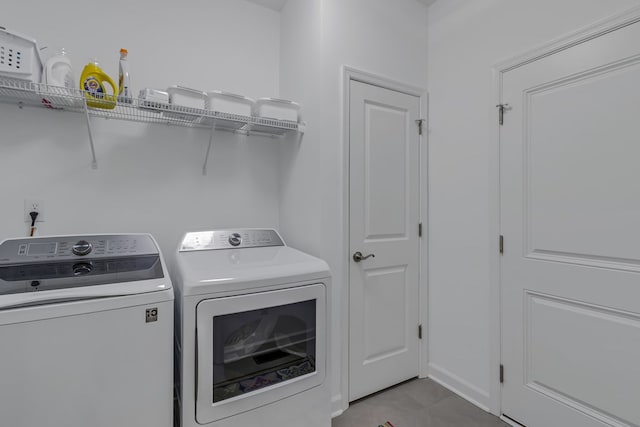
(82, 248)
(235, 239)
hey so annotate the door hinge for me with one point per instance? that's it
(501, 110)
(501, 244)
(420, 122)
(420, 230)
(501, 374)
(420, 332)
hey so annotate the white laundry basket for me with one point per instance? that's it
(19, 57)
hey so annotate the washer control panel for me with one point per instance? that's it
(75, 247)
(230, 239)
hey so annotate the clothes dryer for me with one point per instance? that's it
(251, 332)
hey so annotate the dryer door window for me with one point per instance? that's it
(257, 348)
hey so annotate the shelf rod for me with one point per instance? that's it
(206, 157)
(94, 162)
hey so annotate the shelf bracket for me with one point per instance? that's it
(206, 156)
(94, 162)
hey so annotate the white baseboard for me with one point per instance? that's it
(462, 388)
(443, 377)
(337, 406)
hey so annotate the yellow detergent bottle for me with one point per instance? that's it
(93, 82)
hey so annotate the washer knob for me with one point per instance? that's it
(235, 239)
(82, 269)
(82, 248)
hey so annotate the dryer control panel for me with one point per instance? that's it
(230, 239)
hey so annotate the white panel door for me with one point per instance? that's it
(570, 216)
(384, 212)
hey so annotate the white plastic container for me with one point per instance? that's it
(153, 99)
(59, 72)
(229, 103)
(19, 57)
(186, 97)
(60, 82)
(187, 101)
(279, 109)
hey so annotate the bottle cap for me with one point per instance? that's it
(124, 51)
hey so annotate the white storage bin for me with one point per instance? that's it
(188, 103)
(186, 97)
(229, 103)
(279, 109)
(153, 99)
(19, 57)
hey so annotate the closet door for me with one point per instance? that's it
(385, 249)
(570, 216)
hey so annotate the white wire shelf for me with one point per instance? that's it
(25, 93)
(142, 111)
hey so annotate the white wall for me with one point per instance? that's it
(467, 38)
(149, 177)
(388, 38)
(301, 173)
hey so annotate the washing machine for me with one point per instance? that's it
(251, 332)
(86, 332)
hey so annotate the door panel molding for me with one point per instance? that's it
(586, 260)
(399, 292)
(399, 224)
(581, 35)
(539, 101)
(544, 373)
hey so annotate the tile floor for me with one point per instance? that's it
(416, 403)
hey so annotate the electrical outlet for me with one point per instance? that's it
(33, 205)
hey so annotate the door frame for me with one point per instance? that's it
(584, 34)
(348, 74)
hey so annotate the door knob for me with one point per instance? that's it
(357, 257)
